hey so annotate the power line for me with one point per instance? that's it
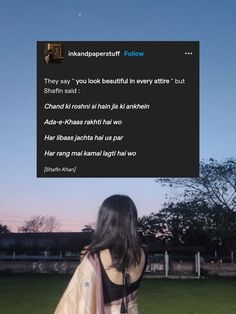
(23, 218)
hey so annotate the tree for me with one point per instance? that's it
(88, 228)
(178, 224)
(192, 223)
(148, 225)
(4, 229)
(186, 223)
(149, 231)
(215, 186)
(40, 224)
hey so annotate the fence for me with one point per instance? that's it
(167, 265)
(174, 266)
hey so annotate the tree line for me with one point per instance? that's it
(202, 214)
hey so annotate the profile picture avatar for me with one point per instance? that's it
(53, 53)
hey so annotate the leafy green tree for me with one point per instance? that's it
(216, 187)
(186, 223)
(216, 184)
(192, 223)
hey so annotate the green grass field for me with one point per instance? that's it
(39, 294)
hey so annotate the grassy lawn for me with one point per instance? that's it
(206, 296)
(39, 294)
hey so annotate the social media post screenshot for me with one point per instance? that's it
(117, 109)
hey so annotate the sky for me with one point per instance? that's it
(75, 202)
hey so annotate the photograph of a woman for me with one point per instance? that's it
(108, 278)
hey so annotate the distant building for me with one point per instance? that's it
(53, 243)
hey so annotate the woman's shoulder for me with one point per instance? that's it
(144, 252)
(143, 258)
(105, 256)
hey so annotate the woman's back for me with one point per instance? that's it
(109, 276)
(114, 275)
(114, 288)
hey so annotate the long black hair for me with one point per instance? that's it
(116, 230)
